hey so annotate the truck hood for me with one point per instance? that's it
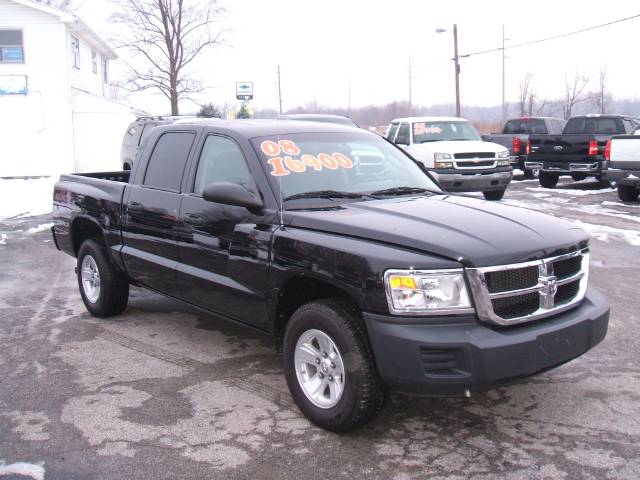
(459, 147)
(474, 232)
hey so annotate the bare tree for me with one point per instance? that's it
(165, 37)
(573, 94)
(601, 96)
(525, 93)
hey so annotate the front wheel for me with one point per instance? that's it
(104, 290)
(529, 174)
(548, 180)
(627, 193)
(494, 195)
(329, 366)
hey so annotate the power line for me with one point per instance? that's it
(554, 37)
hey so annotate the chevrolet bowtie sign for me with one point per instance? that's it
(244, 90)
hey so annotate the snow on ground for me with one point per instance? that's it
(3, 239)
(604, 232)
(40, 228)
(568, 191)
(26, 198)
(23, 469)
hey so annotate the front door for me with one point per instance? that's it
(223, 250)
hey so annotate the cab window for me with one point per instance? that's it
(221, 161)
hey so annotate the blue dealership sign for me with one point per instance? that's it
(12, 54)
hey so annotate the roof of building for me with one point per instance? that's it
(75, 24)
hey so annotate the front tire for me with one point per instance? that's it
(104, 290)
(548, 180)
(579, 176)
(329, 366)
(627, 193)
(494, 195)
(529, 174)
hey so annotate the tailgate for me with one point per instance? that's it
(560, 148)
(625, 152)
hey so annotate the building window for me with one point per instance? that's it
(105, 71)
(75, 52)
(94, 61)
(11, 47)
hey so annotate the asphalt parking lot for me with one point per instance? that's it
(164, 391)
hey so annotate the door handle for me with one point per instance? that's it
(135, 207)
(193, 219)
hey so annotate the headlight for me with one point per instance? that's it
(502, 163)
(442, 156)
(443, 165)
(503, 154)
(435, 292)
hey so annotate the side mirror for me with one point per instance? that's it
(402, 140)
(229, 193)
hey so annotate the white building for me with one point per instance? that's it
(57, 113)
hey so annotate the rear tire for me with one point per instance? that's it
(548, 180)
(104, 289)
(627, 193)
(529, 174)
(326, 338)
(494, 195)
(578, 176)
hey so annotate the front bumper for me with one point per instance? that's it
(445, 358)
(473, 181)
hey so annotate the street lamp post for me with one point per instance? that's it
(456, 62)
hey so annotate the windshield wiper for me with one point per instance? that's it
(325, 194)
(400, 191)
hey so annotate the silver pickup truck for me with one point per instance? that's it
(623, 154)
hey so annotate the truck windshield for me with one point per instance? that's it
(424, 132)
(338, 165)
(596, 125)
(525, 125)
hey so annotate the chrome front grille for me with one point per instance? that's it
(512, 294)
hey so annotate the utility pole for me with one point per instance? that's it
(279, 91)
(410, 106)
(456, 60)
(504, 103)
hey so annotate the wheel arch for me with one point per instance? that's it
(85, 228)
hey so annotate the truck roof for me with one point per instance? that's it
(263, 127)
(429, 119)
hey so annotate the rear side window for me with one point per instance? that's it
(221, 161)
(168, 160)
(392, 131)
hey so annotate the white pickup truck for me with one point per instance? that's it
(453, 152)
(623, 155)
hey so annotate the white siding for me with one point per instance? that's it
(35, 130)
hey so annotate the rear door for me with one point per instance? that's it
(223, 249)
(150, 214)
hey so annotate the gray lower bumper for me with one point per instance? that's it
(474, 182)
(617, 174)
(448, 358)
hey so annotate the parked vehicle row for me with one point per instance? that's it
(579, 150)
(333, 240)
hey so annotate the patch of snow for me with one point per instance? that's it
(604, 232)
(568, 191)
(40, 228)
(26, 198)
(517, 171)
(620, 204)
(36, 472)
(3, 239)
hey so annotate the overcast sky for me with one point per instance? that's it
(323, 46)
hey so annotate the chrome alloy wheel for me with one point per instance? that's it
(319, 368)
(90, 277)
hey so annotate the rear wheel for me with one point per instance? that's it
(548, 180)
(529, 174)
(494, 195)
(578, 176)
(104, 290)
(627, 193)
(329, 366)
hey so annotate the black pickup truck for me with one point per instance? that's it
(515, 137)
(579, 150)
(366, 278)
